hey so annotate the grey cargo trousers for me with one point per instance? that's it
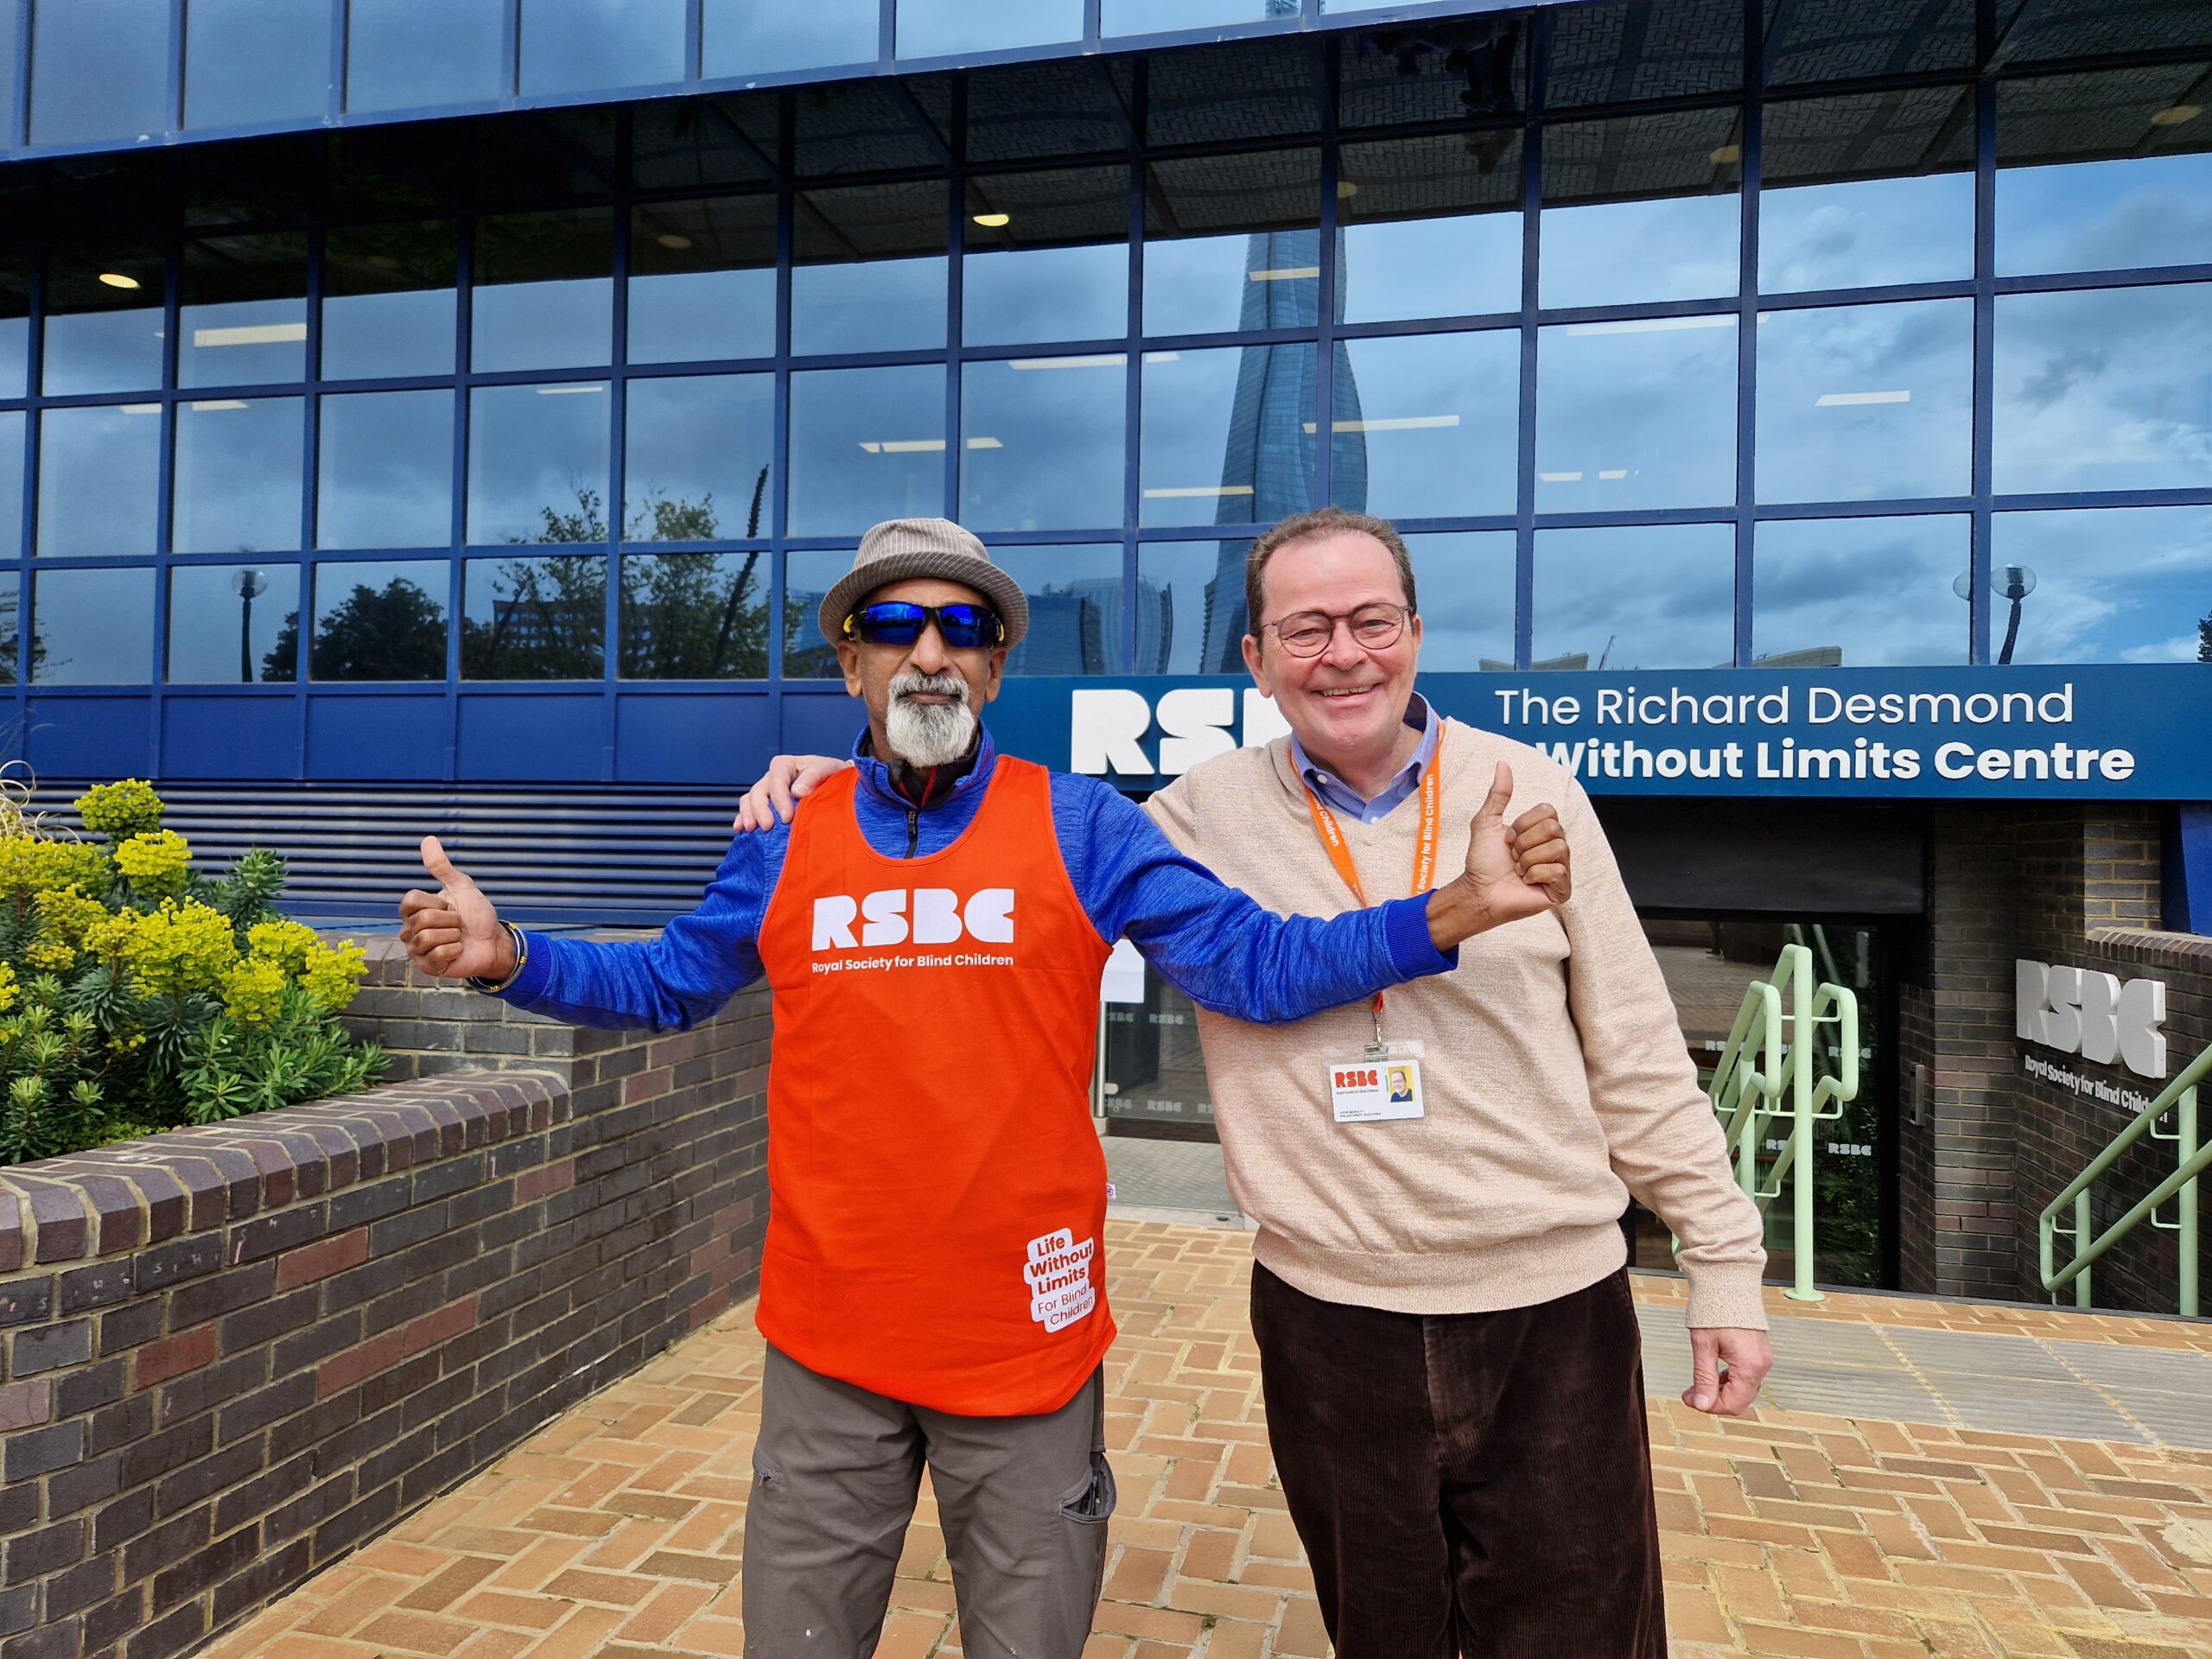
(1023, 1502)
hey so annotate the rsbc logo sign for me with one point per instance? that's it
(922, 916)
(1359, 1078)
(2082, 1011)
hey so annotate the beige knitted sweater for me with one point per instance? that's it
(1556, 1076)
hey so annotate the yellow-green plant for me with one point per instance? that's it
(137, 993)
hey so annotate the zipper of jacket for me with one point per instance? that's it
(913, 830)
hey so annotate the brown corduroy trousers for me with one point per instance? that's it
(1470, 1483)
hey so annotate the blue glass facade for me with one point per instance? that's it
(1676, 334)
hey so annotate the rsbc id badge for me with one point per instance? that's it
(1380, 1085)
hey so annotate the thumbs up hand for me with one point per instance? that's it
(1513, 871)
(454, 933)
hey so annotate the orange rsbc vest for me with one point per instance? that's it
(938, 1192)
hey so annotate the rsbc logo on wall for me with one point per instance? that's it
(2096, 1015)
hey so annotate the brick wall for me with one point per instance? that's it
(232, 1354)
(2075, 885)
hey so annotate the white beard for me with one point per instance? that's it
(929, 735)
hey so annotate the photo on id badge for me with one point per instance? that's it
(1378, 1087)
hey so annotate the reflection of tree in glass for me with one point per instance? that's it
(395, 634)
(2203, 639)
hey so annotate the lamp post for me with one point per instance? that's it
(2016, 583)
(247, 585)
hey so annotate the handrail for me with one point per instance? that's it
(1748, 1095)
(2191, 1161)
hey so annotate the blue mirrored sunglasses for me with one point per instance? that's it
(896, 622)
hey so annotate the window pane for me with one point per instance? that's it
(807, 577)
(1162, 16)
(1860, 191)
(233, 623)
(15, 329)
(1426, 426)
(388, 300)
(2104, 390)
(403, 54)
(238, 476)
(1657, 596)
(1464, 583)
(11, 610)
(1860, 593)
(695, 616)
(1074, 608)
(538, 461)
(1636, 415)
(97, 475)
(12, 425)
(534, 619)
(1643, 208)
(379, 621)
(744, 37)
(102, 321)
(1866, 402)
(696, 455)
(1251, 405)
(702, 280)
(935, 28)
(252, 61)
(2102, 171)
(1042, 442)
(543, 294)
(1231, 242)
(385, 476)
(1191, 607)
(1047, 257)
(870, 273)
(99, 69)
(92, 627)
(866, 445)
(575, 45)
(243, 313)
(1426, 234)
(2124, 585)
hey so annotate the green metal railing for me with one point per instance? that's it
(1767, 1072)
(2191, 1159)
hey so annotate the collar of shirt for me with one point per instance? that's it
(875, 773)
(1340, 797)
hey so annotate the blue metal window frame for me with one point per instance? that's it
(1983, 289)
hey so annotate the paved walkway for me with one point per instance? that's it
(1869, 1512)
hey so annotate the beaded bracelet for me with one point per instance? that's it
(522, 961)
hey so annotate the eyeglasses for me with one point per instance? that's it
(1374, 627)
(896, 622)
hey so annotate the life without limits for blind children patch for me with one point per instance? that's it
(1059, 1272)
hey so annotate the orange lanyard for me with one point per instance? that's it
(1431, 818)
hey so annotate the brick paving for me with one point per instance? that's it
(616, 1532)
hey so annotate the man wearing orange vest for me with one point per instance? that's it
(934, 927)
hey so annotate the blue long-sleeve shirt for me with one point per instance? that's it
(1218, 946)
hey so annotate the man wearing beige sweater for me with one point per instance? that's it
(1450, 1358)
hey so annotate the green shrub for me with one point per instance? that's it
(137, 994)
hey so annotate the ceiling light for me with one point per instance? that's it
(1202, 489)
(210, 405)
(1390, 423)
(141, 408)
(1651, 324)
(258, 334)
(1613, 472)
(1346, 189)
(2174, 114)
(1103, 360)
(1727, 155)
(567, 391)
(670, 239)
(1852, 399)
(1560, 478)
(1288, 274)
(994, 222)
(985, 443)
(1163, 357)
(117, 279)
(904, 445)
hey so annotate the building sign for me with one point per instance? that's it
(2096, 1015)
(2086, 732)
